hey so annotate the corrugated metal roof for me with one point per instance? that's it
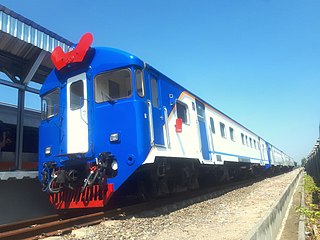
(30, 32)
(22, 40)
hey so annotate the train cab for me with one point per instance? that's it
(94, 121)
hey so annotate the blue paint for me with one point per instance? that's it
(203, 130)
(157, 108)
(170, 92)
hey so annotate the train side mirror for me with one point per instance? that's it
(179, 125)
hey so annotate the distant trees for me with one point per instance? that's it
(303, 162)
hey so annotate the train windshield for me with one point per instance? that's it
(112, 85)
(50, 104)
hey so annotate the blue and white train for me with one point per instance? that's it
(109, 120)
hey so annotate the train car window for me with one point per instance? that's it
(50, 104)
(247, 141)
(231, 130)
(114, 90)
(223, 130)
(255, 144)
(139, 82)
(200, 111)
(242, 139)
(182, 111)
(76, 95)
(116, 84)
(212, 125)
(155, 95)
(250, 140)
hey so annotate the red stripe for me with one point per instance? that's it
(92, 197)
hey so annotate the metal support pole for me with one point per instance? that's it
(21, 101)
(19, 134)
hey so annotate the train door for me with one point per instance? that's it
(203, 130)
(77, 114)
(157, 111)
(269, 155)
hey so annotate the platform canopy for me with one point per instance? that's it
(25, 49)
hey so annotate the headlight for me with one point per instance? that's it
(114, 165)
(47, 151)
(114, 137)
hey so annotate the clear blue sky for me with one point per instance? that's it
(256, 60)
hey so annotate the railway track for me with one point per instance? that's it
(63, 224)
(52, 225)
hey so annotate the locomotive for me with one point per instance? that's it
(110, 120)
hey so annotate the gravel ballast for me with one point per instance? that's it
(230, 216)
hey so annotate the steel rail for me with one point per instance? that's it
(27, 223)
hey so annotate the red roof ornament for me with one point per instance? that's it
(61, 59)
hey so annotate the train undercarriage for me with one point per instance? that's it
(171, 175)
(71, 188)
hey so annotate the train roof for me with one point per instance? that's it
(119, 58)
(96, 60)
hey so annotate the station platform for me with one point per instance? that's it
(21, 197)
(17, 175)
